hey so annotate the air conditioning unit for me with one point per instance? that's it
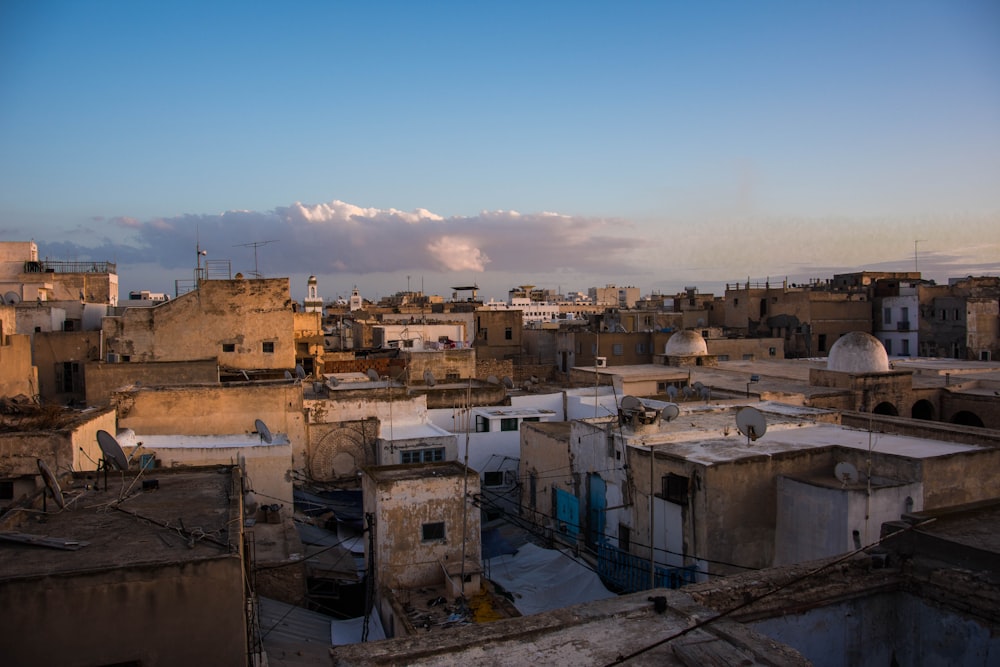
(601, 362)
(114, 358)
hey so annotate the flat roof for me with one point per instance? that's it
(186, 518)
(411, 431)
(210, 441)
(406, 471)
(712, 437)
(500, 412)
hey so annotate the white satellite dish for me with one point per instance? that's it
(631, 403)
(507, 382)
(300, 372)
(670, 413)
(846, 473)
(751, 423)
(373, 375)
(12, 298)
(492, 379)
(288, 375)
(114, 457)
(263, 430)
(429, 378)
(51, 483)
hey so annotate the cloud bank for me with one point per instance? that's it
(338, 237)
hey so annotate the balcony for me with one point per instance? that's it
(903, 326)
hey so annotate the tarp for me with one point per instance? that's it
(349, 631)
(494, 544)
(545, 579)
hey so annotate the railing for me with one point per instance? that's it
(70, 267)
(903, 326)
(630, 573)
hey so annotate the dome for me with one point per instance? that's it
(312, 280)
(686, 344)
(858, 352)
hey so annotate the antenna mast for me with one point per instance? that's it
(254, 245)
(916, 265)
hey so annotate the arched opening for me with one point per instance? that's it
(966, 418)
(922, 409)
(886, 408)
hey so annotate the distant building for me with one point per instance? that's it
(313, 302)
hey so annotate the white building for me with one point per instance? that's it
(897, 323)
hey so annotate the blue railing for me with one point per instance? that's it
(630, 573)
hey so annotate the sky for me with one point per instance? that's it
(425, 145)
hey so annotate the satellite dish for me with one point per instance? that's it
(429, 378)
(333, 380)
(698, 385)
(113, 454)
(670, 413)
(687, 391)
(300, 372)
(51, 483)
(263, 430)
(706, 393)
(751, 423)
(631, 403)
(492, 379)
(288, 375)
(507, 382)
(672, 392)
(846, 473)
(11, 298)
(373, 375)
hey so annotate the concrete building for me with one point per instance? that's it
(961, 320)
(426, 536)
(612, 295)
(896, 322)
(30, 280)
(18, 376)
(156, 577)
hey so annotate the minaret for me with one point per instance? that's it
(313, 303)
(356, 302)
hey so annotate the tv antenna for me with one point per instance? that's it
(916, 263)
(751, 423)
(255, 245)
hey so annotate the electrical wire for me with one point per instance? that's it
(811, 573)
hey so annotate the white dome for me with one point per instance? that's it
(858, 352)
(686, 344)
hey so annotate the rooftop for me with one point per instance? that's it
(188, 516)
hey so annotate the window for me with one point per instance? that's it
(617, 349)
(624, 537)
(704, 334)
(887, 316)
(888, 346)
(432, 532)
(531, 419)
(906, 347)
(508, 334)
(493, 478)
(268, 347)
(675, 489)
(905, 314)
(942, 315)
(640, 348)
(229, 347)
(772, 351)
(482, 424)
(69, 378)
(747, 357)
(423, 455)
(484, 333)
(508, 424)
(723, 357)
(611, 444)
(6, 490)
(821, 343)
(958, 315)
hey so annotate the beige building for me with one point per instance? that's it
(426, 535)
(28, 279)
(18, 376)
(157, 579)
(245, 324)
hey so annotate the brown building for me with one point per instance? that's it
(157, 578)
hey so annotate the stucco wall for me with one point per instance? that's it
(52, 350)
(17, 375)
(216, 410)
(401, 507)
(61, 450)
(103, 378)
(180, 614)
(196, 325)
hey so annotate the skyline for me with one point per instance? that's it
(647, 144)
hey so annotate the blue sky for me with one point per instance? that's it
(566, 145)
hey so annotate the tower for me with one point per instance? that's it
(313, 302)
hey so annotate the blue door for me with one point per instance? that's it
(568, 512)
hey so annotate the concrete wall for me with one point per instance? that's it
(103, 378)
(883, 629)
(216, 410)
(545, 465)
(60, 449)
(40, 317)
(444, 364)
(402, 503)
(55, 349)
(243, 313)
(187, 613)
(17, 375)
